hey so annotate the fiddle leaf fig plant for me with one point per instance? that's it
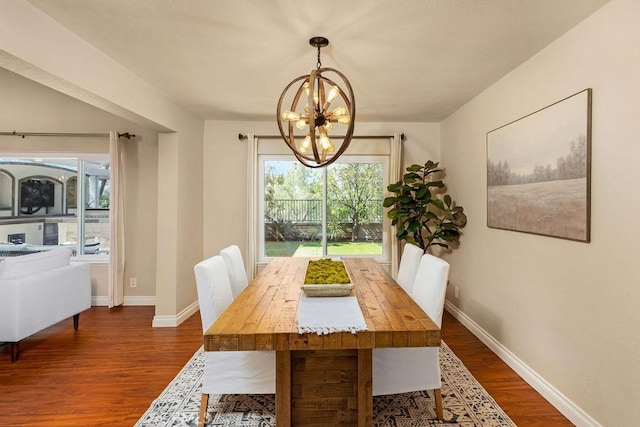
(422, 214)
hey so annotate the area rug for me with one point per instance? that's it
(465, 402)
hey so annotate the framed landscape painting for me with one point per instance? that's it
(539, 171)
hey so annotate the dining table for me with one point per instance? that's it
(321, 379)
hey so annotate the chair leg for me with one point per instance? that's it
(204, 402)
(76, 317)
(14, 348)
(438, 396)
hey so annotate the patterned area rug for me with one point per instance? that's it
(465, 403)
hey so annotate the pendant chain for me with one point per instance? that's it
(318, 64)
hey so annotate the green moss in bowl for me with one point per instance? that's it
(326, 271)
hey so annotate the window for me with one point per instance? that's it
(332, 211)
(45, 200)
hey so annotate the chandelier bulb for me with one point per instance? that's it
(332, 93)
(300, 124)
(325, 142)
(339, 112)
(290, 116)
(305, 144)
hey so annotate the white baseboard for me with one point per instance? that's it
(139, 300)
(99, 301)
(171, 321)
(161, 321)
(128, 300)
(562, 403)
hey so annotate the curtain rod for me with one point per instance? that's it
(126, 135)
(241, 136)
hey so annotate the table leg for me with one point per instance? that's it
(283, 388)
(325, 388)
(365, 388)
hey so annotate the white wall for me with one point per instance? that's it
(225, 171)
(27, 106)
(37, 47)
(566, 309)
(179, 220)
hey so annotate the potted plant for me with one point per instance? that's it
(422, 212)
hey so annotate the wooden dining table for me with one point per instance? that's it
(321, 380)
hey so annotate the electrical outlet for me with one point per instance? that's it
(133, 282)
(456, 292)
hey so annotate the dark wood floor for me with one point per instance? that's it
(524, 405)
(109, 371)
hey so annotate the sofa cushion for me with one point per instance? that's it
(20, 266)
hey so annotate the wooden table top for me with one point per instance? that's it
(264, 315)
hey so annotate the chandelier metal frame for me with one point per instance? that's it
(310, 109)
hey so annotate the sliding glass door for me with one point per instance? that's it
(330, 211)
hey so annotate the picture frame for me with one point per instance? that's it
(539, 171)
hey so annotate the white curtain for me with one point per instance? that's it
(116, 216)
(395, 173)
(252, 205)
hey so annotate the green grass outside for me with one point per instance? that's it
(313, 249)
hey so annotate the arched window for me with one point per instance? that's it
(72, 184)
(7, 193)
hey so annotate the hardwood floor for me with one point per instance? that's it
(104, 374)
(109, 371)
(524, 405)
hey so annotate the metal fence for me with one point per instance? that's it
(310, 211)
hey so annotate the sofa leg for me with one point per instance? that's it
(76, 317)
(14, 351)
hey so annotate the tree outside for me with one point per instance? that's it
(352, 188)
(293, 207)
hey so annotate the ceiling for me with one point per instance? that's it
(409, 60)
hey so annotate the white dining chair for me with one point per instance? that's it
(409, 262)
(235, 266)
(402, 370)
(227, 372)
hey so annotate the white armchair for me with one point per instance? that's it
(39, 290)
(228, 372)
(409, 262)
(235, 267)
(401, 370)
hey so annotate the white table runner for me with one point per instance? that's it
(324, 315)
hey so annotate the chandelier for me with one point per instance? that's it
(317, 103)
